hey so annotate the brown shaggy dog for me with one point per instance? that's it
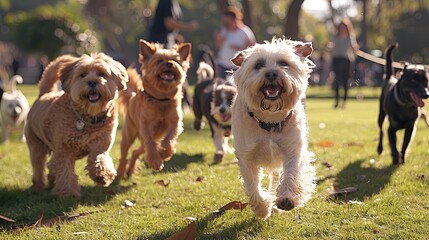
(153, 104)
(76, 122)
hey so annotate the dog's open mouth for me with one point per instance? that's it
(417, 100)
(168, 76)
(271, 91)
(93, 96)
(225, 117)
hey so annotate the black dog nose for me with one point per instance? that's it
(92, 84)
(169, 64)
(271, 75)
(222, 110)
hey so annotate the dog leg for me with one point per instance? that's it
(287, 191)
(381, 117)
(38, 157)
(129, 134)
(408, 137)
(152, 156)
(4, 130)
(100, 168)
(219, 144)
(173, 130)
(274, 181)
(134, 157)
(259, 201)
(66, 183)
(396, 156)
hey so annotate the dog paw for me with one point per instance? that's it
(156, 164)
(380, 149)
(217, 158)
(285, 204)
(167, 152)
(262, 209)
(397, 159)
(198, 124)
(102, 171)
(122, 168)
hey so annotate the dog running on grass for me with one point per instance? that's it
(79, 121)
(153, 105)
(269, 124)
(14, 109)
(401, 100)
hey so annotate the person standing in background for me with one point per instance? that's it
(343, 46)
(168, 22)
(234, 37)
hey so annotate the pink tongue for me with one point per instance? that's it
(93, 97)
(225, 118)
(167, 76)
(417, 100)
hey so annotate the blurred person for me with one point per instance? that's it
(343, 46)
(234, 37)
(168, 22)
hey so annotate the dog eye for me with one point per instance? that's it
(259, 65)
(100, 74)
(159, 61)
(82, 75)
(282, 63)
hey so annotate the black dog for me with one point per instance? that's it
(213, 99)
(401, 100)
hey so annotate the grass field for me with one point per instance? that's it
(391, 202)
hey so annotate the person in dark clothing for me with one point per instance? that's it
(343, 46)
(168, 22)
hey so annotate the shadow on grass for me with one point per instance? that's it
(25, 205)
(368, 180)
(250, 227)
(181, 161)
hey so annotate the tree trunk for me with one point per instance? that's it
(292, 17)
(363, 38)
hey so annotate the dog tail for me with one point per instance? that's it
(134, 85)
(16, 79)
(50, 77)
(389, 60)
(205, 72)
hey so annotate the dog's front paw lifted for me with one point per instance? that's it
(285, 204)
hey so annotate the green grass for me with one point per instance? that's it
(391, 202)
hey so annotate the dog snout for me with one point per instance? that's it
(169, 64)
(271, 75)
(92, 84)
(222, 110)
(426, 94)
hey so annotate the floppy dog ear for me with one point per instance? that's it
(147, 50)
(304, 50)
(119, 74)
(66, 74)
(238, 59)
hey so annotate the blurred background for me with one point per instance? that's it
(32, 33)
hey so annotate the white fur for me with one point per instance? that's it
(283, 154)
(14, 103)
(204, 72)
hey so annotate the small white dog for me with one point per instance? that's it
(269, 124)
(14, 109)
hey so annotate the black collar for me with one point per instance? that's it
(272, 126)
(154, 98)
(94, 120)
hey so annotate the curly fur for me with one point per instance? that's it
(90, 88)
(270, 81)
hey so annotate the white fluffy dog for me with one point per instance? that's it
(14, 109)
(269, 124)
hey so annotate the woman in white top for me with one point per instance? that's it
(234, 37)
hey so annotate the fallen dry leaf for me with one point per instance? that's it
(38, 221)
(327, 143)
(199, 179)
(128, 203)
(340, 192)
(353, 144)
(7, 219)
(232, 205)
(327, 165)
(189, 233)
(163, 183)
